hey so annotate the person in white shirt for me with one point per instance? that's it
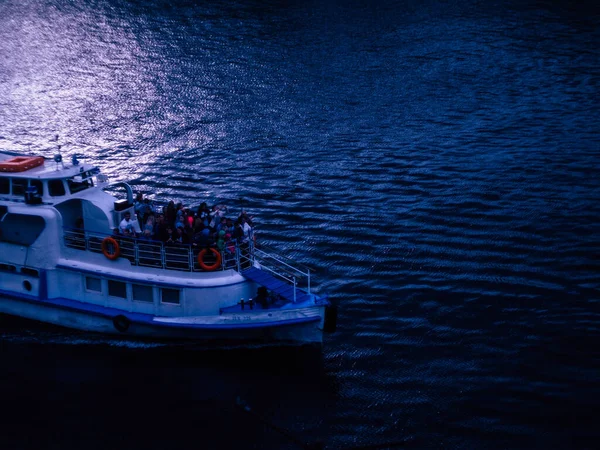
(248, 233)
(216, 214)
(126, 225)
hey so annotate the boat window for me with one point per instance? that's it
(30, 272)
(8, 267)
(142, 293)
(170, 296)
(18, 186)
(93, 284)
(21, 229)
(38, 185)
(89, 177)
(117, 289)
(4, 185)
(78, 183)
(56, 188)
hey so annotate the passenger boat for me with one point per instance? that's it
(61, 264)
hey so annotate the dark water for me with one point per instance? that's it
(437, 164)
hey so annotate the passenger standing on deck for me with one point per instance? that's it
(169, 235)
(180, 219)
(149, 208)
(221, 240)
(138, 203)
(170, 213)
(126, 225)
(180, 214)
(247, 230)
(149, 226)
(180, 237)
(238, 231)
(246, 234)
(160, 228)
(246, 216)
(204, 213)
(201, 236)
(230, 228)
(222, 226)
(229, 253)
(215, 216)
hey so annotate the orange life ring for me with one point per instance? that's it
(210, 267)
(21, 163)
(106, 243)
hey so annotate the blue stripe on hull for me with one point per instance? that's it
(141, 318)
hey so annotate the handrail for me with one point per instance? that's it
(258, 252)
(142, 252)
(184, 257)
(299, 266)
(265, 260)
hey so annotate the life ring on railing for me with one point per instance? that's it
(106, 246)
(209, 267)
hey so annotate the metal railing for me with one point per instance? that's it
(278, 266)
(148, 253)
(184, 257)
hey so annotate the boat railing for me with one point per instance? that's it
(184, 257)
(148, 253)
(277, 266)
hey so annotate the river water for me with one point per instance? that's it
(436, 163)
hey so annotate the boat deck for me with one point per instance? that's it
(275, 285)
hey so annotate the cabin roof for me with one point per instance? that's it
(49, 170)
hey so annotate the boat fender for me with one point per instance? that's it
(209, 267)
(330, 324)
(121, 323)
(110, 248)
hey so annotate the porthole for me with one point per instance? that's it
(27, 285)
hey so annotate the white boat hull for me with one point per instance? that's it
(299, 327)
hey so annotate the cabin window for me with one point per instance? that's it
(8, 267)
(38, 185)
(4, 185)
(170, 296)
(142, 293)
(89, 177)
(30, 272)
(93, 284)
(117, 289)
(18, 186)
(21, 229)
(56, 188)
(78, 184)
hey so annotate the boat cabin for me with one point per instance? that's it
(29, 185)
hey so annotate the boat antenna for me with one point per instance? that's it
(58, 157)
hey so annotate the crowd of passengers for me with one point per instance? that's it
(177, 225)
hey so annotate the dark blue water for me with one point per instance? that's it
(436, 163)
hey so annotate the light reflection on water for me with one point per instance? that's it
(440, 174)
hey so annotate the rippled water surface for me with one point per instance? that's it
(436, 163)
